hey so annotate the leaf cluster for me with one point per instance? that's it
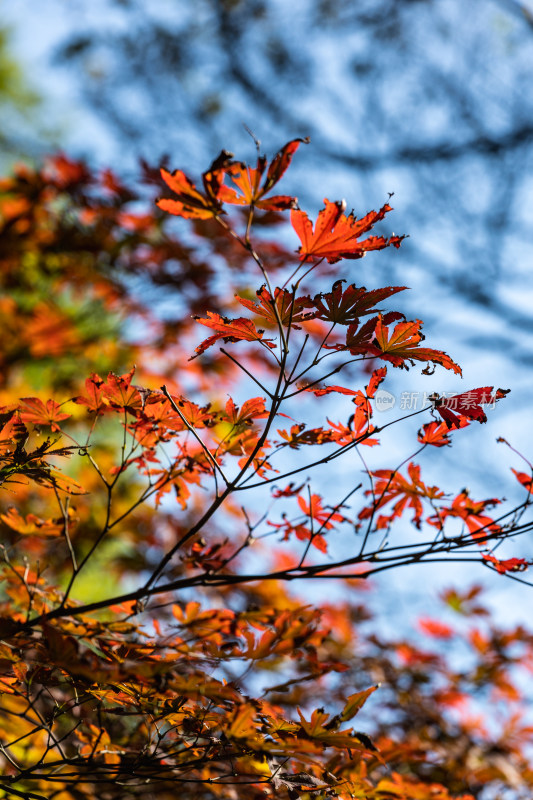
(150, 635)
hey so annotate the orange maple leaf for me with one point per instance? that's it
(254, 408)
(120, 394)
(318, 391)
(248, 180)
(94, 399)
(525, 479)
(50, 332)
(479, 525)
(507, 565)
(345, 307)
(376, 379)
(468, 404)
(435, 433)
(38, 413)
(13, 434)
(401, 346)
(290, 308)
(336, 235)
(189, 201)
(31, 525)
(391, 486)
(230, 330)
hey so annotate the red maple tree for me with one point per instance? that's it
(154, 527)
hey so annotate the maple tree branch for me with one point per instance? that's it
(10, 789)
(317, 358)
(230, 486)
(93, 547)
(340, 451)
(214, 463)
(294, 272)
(383, 560)
(253, 378)
(296, 362)
(217, 502)
(291, 574)
(314, 382)
(249, 248)
(64, 508)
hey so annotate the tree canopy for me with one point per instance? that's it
(170, 542)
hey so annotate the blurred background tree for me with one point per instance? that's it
(19, 103)
(430, 99)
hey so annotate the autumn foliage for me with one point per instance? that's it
(173, 393)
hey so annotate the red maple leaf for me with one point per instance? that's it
(230, 330)
(189, 201)
(290, 308)
(94, 399)
(402, 346)
(289, 491)
(358, 339)
(358, 428)
(315, 511)
(525, 479)
(408, 493)
(433, 627)
(38, 413)
(468, 404)
(345, 307)
(377, 378)
(248, 181)
(336, 235)
(437, 433)
(66, 173)
(507, 565)
(298, 435)
(471, 511)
